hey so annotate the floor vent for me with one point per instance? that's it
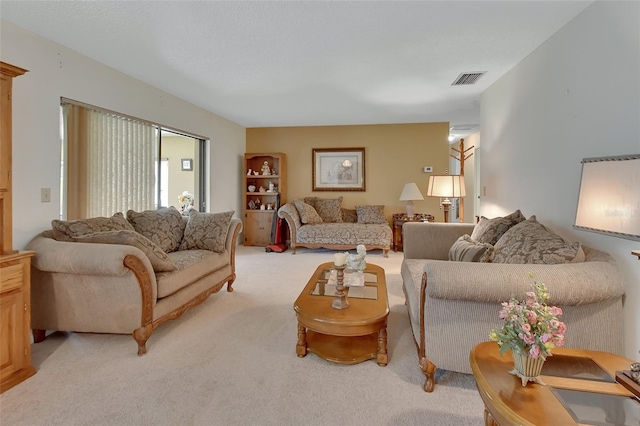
(468, 78)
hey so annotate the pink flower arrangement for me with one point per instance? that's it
(531, 327)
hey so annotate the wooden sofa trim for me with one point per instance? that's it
(142, 334)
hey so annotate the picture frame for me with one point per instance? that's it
(187, 164)
(338, 169)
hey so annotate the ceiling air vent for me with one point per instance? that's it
(468, 78)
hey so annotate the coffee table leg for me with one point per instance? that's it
(488, 418)
(301, 347)
(382, 347)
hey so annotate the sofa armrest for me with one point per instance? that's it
(83, 258)
(235, 227)
(290, 214)
(424, 240)
(569, 284)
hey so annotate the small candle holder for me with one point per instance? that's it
(340, 301)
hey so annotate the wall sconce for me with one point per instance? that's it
(609, 197)
(411, 193)
(446, 186)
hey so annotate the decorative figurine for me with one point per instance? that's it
(252, 188)
(266, 171)
(249, 172)
(256, 173)
(357, 261)
(252, 205)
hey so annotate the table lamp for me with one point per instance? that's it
(446, 186)
(411, 193)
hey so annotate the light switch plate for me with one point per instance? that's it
(45, 195)
(427, 169)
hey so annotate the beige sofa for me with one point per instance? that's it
(454, 305)
(113, 288)
(343, 235)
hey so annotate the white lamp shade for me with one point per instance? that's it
(446, 186)
(411, 193)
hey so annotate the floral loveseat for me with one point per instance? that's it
(323, 223)
(455, 277)
(113, 275)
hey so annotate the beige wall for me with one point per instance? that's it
(56, 71)
(395, 154)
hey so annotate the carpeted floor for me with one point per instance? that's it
(232, 361)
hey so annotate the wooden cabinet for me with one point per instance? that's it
(7, 73)
(15, 319)
(15, 267)
(264, 192)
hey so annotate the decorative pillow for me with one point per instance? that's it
(532, 242)
(206, 231)
(466, 249)
(371, 214)
(328, 208)
(490, 230)
(307, 213)
(158, 258)
(349, 215)
(163, 226)
(68, 230)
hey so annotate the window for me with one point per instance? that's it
(112, 163)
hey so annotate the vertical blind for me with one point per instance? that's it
(110, 162)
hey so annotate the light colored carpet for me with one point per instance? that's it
(232, 361)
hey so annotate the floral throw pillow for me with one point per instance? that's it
(466, 249)
(490, 230)
(371, 214)
(163, 226)
(308, 214)
(349, 215)
(206, 231)
(68, 230)
(328, 208)
(532, 242)
(158, 258)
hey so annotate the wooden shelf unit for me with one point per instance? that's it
(15, 266)
(258, 223)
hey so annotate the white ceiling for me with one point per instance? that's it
(302, 63)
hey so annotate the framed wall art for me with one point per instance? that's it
(338, 169)
(187, 164)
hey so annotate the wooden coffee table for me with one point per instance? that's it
(591, 373)
(343, 336)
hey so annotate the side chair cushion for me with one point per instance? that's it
(206, 231)
(490, 230)
(68, 230)
(308, 214)
(158, 258)
(531, 242)
(163, 226)
(371, 214)
(466, 249)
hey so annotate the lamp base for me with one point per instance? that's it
(446, 205)
(411, 209)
